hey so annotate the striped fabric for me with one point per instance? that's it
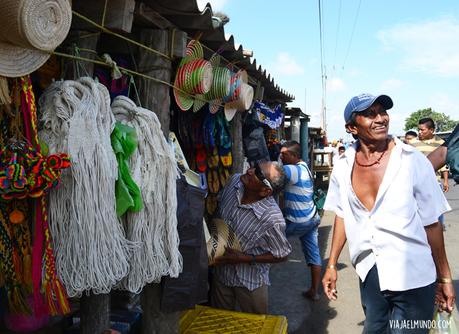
(298, 195)
(427, 146)
(260, 229)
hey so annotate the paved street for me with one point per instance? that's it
(345, 315)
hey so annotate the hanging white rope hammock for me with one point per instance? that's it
(92, 253)
(154, 169)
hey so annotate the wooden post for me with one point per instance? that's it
(153, 95)
(83, 40)
(94, 314)
(156, 97)
(237, 149)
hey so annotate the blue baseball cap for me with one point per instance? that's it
(364, 101)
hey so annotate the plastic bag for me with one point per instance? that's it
(127, 192)
(443, 323)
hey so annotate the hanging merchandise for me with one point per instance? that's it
(217, 139)
(240, 97)
(127, 192)
(31, 30)
(220, 87)
(24, 172)
(154, 228)
(44, 276)
(265, 115)
(92, 253)
(194, 76)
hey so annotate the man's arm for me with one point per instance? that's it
(331, 276)
(233, 256)
(445, 296)
(438, 157)
(445, 181)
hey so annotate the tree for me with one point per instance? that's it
(442, 121)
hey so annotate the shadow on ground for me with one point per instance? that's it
(289, 280)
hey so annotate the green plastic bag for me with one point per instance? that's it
(443, 323)
(127, 193)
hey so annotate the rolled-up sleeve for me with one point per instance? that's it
(275, 241)
(333, 199)
(431, 203)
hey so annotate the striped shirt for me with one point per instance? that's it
(298, 196)
(260, 229)
(427, 146)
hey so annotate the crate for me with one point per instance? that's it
(205, 319)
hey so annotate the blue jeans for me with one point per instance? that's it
(308, 233)
(387, 311)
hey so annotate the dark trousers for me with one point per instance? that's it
(392, 311)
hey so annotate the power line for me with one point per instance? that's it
(352, 33)
(337, 33)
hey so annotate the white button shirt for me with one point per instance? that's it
(392, 234)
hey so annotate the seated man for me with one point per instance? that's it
(246, 204)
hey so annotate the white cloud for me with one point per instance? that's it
(216, 4)
(335, 85)
(286, 65)
(390, 85)
(441, 102)
(430, 46)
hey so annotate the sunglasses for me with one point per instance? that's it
(259, 174)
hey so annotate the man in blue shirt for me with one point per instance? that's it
(300, 212)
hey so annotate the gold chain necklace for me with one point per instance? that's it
(377, 161)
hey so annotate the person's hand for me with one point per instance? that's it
(329, 283)
(445, 186)
(445, 297)
(231, 256)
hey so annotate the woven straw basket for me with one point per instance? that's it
(31, 29)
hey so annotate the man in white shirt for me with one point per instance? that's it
(387, 203)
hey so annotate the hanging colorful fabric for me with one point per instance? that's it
(56, 297)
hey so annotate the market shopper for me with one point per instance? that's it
(301, 214)
(387, 203)
(427, 143)
(448, 153)
(246, 204)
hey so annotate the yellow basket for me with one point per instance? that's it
(205, 319)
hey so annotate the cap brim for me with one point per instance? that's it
(17, 61)
(385, 101)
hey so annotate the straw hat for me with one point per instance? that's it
(31, 29)
(194, 76)
(220, 88)
(240, 97)
(221, 237)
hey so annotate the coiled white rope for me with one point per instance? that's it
(154, 169)
(92, 253)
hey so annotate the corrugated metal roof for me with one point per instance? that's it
(186, 15)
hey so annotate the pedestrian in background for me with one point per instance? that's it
(387, 203)
(300, 212)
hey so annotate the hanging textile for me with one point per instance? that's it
(265, 115)
(190, 287)
(154, 169)
(92, 253)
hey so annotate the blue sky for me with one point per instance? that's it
(407, 49)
